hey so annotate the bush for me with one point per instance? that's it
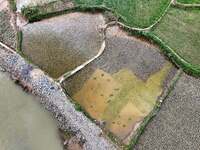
(31, 13)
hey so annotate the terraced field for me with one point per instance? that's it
(134, 13)
(116, 60)
(189, 1)
(60, 44)
(179, 29)
(122, 86)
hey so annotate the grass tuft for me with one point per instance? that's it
(19, 41)
(12, 4)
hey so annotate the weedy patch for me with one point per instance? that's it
(189, 1)
(12, 5)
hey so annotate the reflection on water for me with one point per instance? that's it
(24, 125)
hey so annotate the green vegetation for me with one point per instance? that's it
(179, 30)
(89, 2)
(134, 13)
(189, 1)
(12, 4)
(31, 13)
(177, 35)
(37, 13)
(19, 41)
(170, 53)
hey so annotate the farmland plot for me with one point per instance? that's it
(179, 29)
(60, 44)
(121, 87)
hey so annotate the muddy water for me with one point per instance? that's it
(24, 125)
(121, 99)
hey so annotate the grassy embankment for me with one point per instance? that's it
(180, 44)
(133, 13)
(189, 1)
(179, 31)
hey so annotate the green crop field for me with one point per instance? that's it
(89, 2)
(134, 13)
(189, 1)
(179, 29)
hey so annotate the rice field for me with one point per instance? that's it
(134, 13)
(179, 29)
(189, 1)
(122, 86)
(60, 44)
(121, 99)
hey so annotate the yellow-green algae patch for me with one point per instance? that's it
(121, 99)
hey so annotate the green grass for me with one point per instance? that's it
(19, 41)
(12, 4)
(134, 13)
(179, 30)
(38, 13)
(189, 1)
(89, 2)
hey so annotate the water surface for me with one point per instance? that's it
(24, 124)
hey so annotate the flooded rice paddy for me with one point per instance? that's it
(121, 87)
(24, 124)
(121, 99)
